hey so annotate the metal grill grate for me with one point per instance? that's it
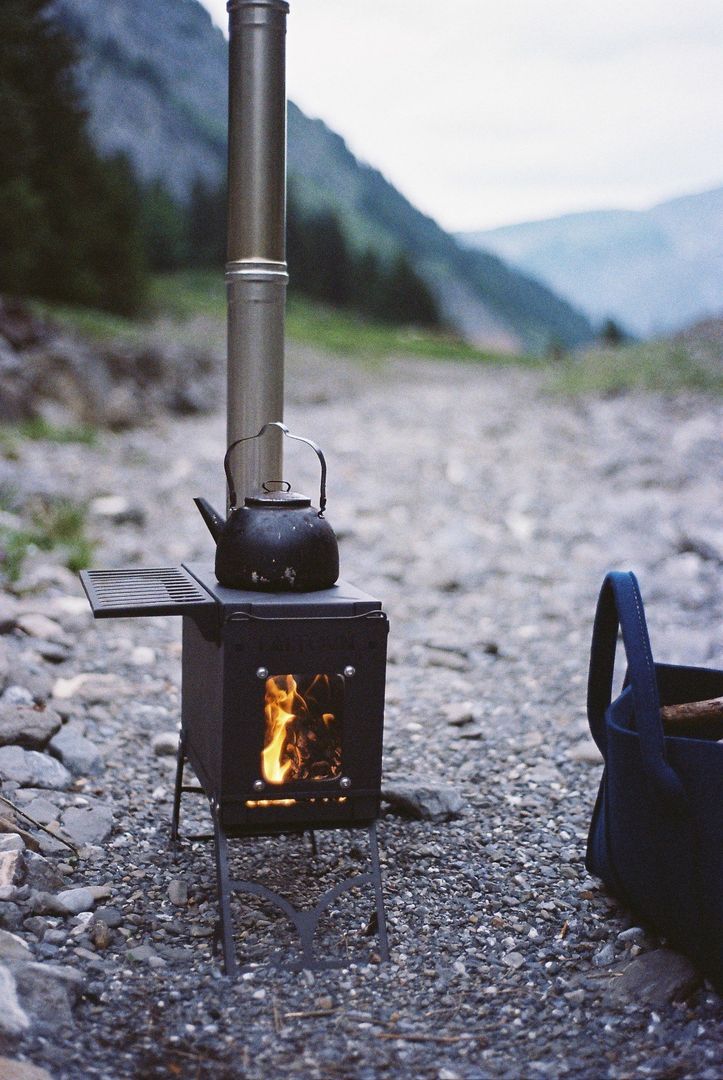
(165, 590)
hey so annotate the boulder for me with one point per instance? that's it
(425, 800)
(27, 725)
(28, 768)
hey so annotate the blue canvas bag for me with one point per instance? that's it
(656, 837)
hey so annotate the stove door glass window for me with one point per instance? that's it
(303, 733)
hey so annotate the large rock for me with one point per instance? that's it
(13, 1018)
(424, 799)
(655, 979)
(12, 867)
(41, 874)
(87, 825)
(81, 756)
(13, 947)
(27, 726)
(84, 898)
(28, 768)
(37, 625)
(47, 992)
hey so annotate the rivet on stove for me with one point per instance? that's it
(259, 784)
(262, 673)
(345, 782)
(349, 671)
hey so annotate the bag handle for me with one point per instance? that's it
(620, 604)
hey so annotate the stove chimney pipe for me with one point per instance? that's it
(256, 274)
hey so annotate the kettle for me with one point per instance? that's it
(277, 541)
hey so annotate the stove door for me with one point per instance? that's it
(303, 711)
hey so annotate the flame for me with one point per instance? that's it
(279, 714)
(303, 737)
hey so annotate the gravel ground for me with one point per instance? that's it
(484, 513)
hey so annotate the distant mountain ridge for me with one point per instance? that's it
(155, 79)
(654, 271)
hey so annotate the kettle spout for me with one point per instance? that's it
(213, 519)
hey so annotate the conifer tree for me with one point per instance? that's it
(69, 221)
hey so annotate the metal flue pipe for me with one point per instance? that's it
(256, 273)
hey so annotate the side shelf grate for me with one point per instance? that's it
(165, 590)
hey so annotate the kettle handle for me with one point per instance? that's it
(299, 438)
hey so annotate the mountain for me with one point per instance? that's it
(654, 270)
(154, 78)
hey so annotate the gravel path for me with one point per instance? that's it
(484, 513)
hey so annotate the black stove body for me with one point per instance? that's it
(282, 715)
(238, 657)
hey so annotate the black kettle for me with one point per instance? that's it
(277, 541)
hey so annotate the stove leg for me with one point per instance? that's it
(376, 876)
(223, 885)
(312, 837)
(180, 762)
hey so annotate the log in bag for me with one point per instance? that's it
(656, 837)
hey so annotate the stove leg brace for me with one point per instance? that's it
(305, 922)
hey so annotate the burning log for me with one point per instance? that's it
(694, 719)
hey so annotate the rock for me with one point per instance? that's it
(40, 874)
(544, 773)
(141, 954)
(425, 800)
(605, 956)
(585, 751)
(458, 713)
(111, 916)
(655, 979)
(52, 651)
(9, 827)
(81, 756)
(513, 960)
(13, 1018)
(117, 510)
(142, 656)
(17, 695)
(634, 935)
(11, 916)
(13, 947)
(47, 992)
(82, 899)
(28, 768)
(165, 743)
(8, 613)
(92, 689)
(26, 725)
(45, 903)
(178, 892)
(40, 626)
(11, 842)
(4, 656)
(101, 934)
(10, 1069)
(87, 825)
(42, 810)
(12, 867)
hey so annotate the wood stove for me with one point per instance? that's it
(282, 716)
(283, 692)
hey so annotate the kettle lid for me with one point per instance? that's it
(283, 498)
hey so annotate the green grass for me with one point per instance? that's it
(656, 366)
(349, 334)
(40, 430)
(188, 294)
(47, 525)
(662, 367)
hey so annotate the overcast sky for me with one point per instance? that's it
(485, 114)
